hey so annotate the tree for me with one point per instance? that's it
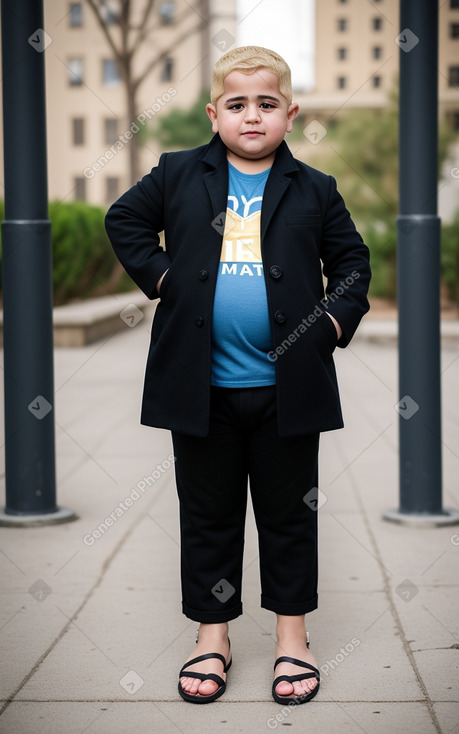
(127, 29)
(185, 128)
(361, 151)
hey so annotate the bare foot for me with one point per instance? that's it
(294, 647)
(212, 638)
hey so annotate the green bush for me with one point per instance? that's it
(84, 262)
(450, 258)
(83, 258)
(82, 255)
(382, 246)
(185, 128)
(383, 258)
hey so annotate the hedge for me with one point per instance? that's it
(83, 258)
(84, 263)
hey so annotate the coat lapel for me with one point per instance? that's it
(277, 184)
(216, 180)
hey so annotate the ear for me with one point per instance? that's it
(292, 112)
(212, 113)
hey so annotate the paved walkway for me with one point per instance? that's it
(92, 636)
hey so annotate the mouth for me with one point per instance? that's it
(252, 134)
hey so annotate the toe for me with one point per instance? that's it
(195, 686)
(190, 685)
(208, 687)
(299, 689)
(302, 687)
(284, 688)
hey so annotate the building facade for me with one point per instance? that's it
(90, 131)
(357, 57)
(90, 127)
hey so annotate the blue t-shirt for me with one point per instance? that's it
(241, 333)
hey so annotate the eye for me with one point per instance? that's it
(267, 106)
(236, 107)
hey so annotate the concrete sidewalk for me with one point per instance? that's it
(92, 635)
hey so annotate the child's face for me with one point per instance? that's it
(252, 116)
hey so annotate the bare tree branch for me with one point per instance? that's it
(142, 34)
(96, 9)
(144, 31)
(164, 53)
(127, 37)
(125, 17)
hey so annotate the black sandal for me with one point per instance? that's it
(290, 678)
(197, 697)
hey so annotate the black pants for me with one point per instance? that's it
(212, 473)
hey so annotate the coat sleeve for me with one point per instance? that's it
(133, 224)
(346, 266)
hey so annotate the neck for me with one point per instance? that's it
(247, 165)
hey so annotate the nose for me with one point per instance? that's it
(252, 114)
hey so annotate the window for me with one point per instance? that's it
(453, 76)
(342, 54)
(453, 119)
(167, 71)
(376, 24)
(454, 30)
(342, 24)
(110, 73)
(76, 15)
(78, 131)
(167, 13)
(110, 11)
(376, 52)
(76, 72)
(112, 188)
(111, 130)
(376, 82)
(341, 82)
(79, 187)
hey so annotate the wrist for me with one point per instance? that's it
(338, 328)
(158, 284)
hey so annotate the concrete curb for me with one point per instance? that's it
(92, 633)
(79, 324)
(386, 331)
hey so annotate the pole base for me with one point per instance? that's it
(62, 514)
(447, 517)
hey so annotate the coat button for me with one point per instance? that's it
(275, 271)
(199, 321)
(203, 275)
(280, 317)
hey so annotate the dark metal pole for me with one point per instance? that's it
(418, 271)
(27, 270)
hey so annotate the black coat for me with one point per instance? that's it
(303, 222)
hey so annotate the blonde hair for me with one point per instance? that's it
(248, 59)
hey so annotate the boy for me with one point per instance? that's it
(240, 366)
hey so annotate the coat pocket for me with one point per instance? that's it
(328, 338)
(158, 322)
(164, 284)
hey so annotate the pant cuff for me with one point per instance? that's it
(280, 607)
(212, 617)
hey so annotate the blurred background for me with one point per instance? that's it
(128, 79)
